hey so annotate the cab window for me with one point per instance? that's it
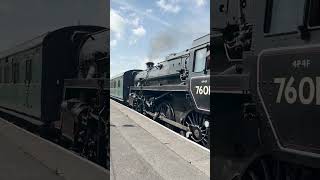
(7, 72)
(15, 72)
(0, 74)
(28, 71)
(283, 16)
(200, 60)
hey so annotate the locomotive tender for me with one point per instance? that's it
(174, 92)
(265, 89)
(56, 82)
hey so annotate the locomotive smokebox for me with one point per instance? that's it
(150, 65)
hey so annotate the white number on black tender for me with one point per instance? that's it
(203, 90)
(291, 93)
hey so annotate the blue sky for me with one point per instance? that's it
(148, 30)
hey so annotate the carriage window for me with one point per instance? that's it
(6, 74)
(118, 83)
(200, 60)
(314, 19)
(28, 75)
(284, 16)
(15, 72)
(0, 74)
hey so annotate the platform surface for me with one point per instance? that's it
(25, 156)
(143, 149)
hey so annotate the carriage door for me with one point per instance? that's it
(27, 81)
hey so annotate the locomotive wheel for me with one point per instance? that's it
(199, 128)
(138, 106)
(260, 170)
(90, 149)
(273, 169)
(166, 110)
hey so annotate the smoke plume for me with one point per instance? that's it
(162, 44)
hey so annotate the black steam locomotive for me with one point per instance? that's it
(265, 95)
(59, 82)
(174, 92)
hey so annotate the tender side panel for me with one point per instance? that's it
(289, 87)
(200, 92)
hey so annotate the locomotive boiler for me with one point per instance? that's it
(174, 92)
(264, 99)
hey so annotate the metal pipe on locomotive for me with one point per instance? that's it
(265, 73)
(174, 92)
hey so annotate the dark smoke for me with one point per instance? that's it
(163, 43)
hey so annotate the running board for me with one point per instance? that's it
(169, 121)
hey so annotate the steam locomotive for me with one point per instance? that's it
(59, 83)
(265, 96)
(175, 92)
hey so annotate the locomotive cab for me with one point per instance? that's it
(200, 56)
(271, 123)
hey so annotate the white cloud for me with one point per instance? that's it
(200, 2)
(139, 31)
(117, 23)
(121, 22)
(133, 14)
(133, 41)
(169, 5)
(123, 8)
(141, 13)
(149, 10)
(135, 21)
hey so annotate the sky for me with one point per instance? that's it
(149, 30)
(23, 20)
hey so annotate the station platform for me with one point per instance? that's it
(144, 149)
(25, 156)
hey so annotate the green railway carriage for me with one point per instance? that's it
(117, 89)
(32, 73)
(20, 78)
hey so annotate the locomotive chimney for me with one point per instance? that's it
(150, 65)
